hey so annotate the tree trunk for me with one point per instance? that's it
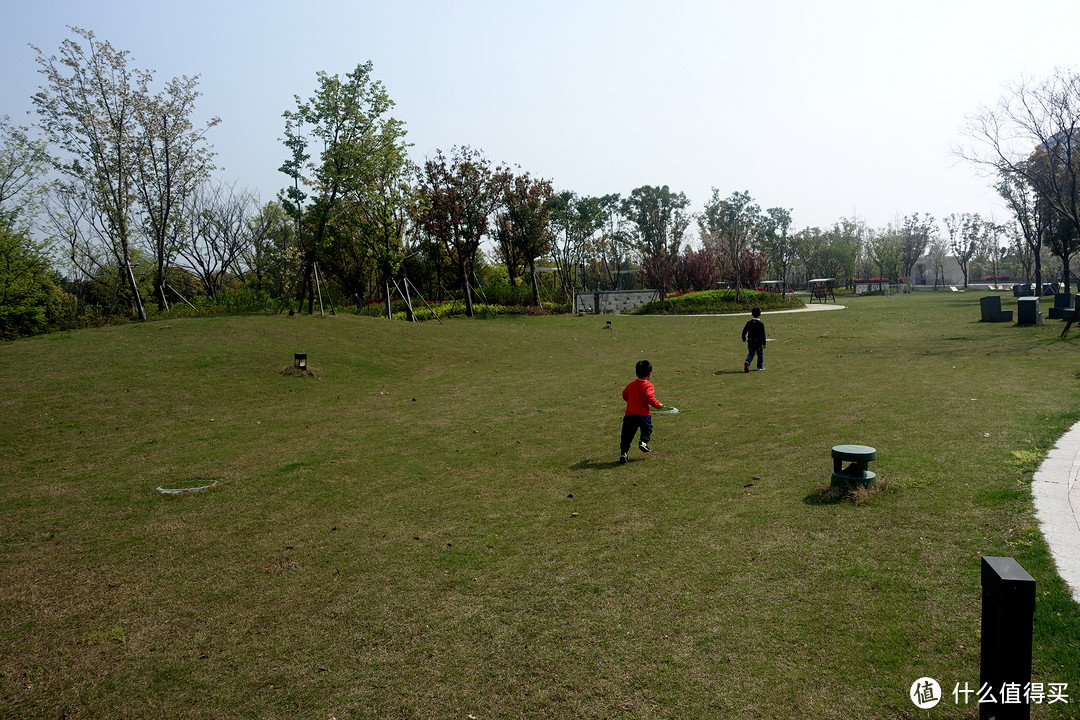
(1038, 269)
(536, 287)
(468, 295)
(134, 285)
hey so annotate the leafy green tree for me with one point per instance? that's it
(456, 197)
(523, 224)
(379, 208)
(660, 219)
(915, 232)
(778, 243)
(575, 220)
(29, 295)
(807, 242)
(1023, 201)
(727, 227)
(1061, 239)
(23, 164)
(360, 144)
(846, 239)
(614, 246)
(270, 259)
(886, 249)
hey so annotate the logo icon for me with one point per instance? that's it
(925, 693)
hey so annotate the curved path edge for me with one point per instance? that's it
(808, 308)
(1056, 495)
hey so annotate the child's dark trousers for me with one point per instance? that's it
(756, 347)
(630, 425)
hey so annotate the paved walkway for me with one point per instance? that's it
(808, 308)
(1056, 493)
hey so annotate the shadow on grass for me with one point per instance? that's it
(590, 464)
(857, 494)
(825, 496)
(740, 371)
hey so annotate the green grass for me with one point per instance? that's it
(435, 525)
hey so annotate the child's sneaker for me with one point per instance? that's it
(746, 366)
(644, 447)
(624, 458)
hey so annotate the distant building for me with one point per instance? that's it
(924, 272)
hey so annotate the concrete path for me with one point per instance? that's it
(1056, 493)
(808, 308)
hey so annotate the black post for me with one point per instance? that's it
(1008, 613)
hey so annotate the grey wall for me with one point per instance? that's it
(613, 301)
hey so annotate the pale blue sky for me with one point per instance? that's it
(831, 108)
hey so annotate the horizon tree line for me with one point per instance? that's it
(121, 181)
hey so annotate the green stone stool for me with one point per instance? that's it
(855, 473)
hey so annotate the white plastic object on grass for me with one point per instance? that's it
(171, 491)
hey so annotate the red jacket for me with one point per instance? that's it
(639, 396)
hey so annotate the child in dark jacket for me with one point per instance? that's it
(753, 333)
(640, 399)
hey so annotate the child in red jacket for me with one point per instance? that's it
(639, 399)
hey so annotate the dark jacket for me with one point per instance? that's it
(754, 329)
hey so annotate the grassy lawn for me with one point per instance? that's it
(435, 525)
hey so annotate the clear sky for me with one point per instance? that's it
(828, 108)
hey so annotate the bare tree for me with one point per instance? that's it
(218, 234)
(965, 234)
(87, 107)
(172, 161)
(937, 252)
(1032, 138)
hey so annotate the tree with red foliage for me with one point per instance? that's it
(698, 271)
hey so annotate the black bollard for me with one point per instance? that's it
(1008, 612)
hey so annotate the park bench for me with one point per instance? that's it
(1063, 306)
